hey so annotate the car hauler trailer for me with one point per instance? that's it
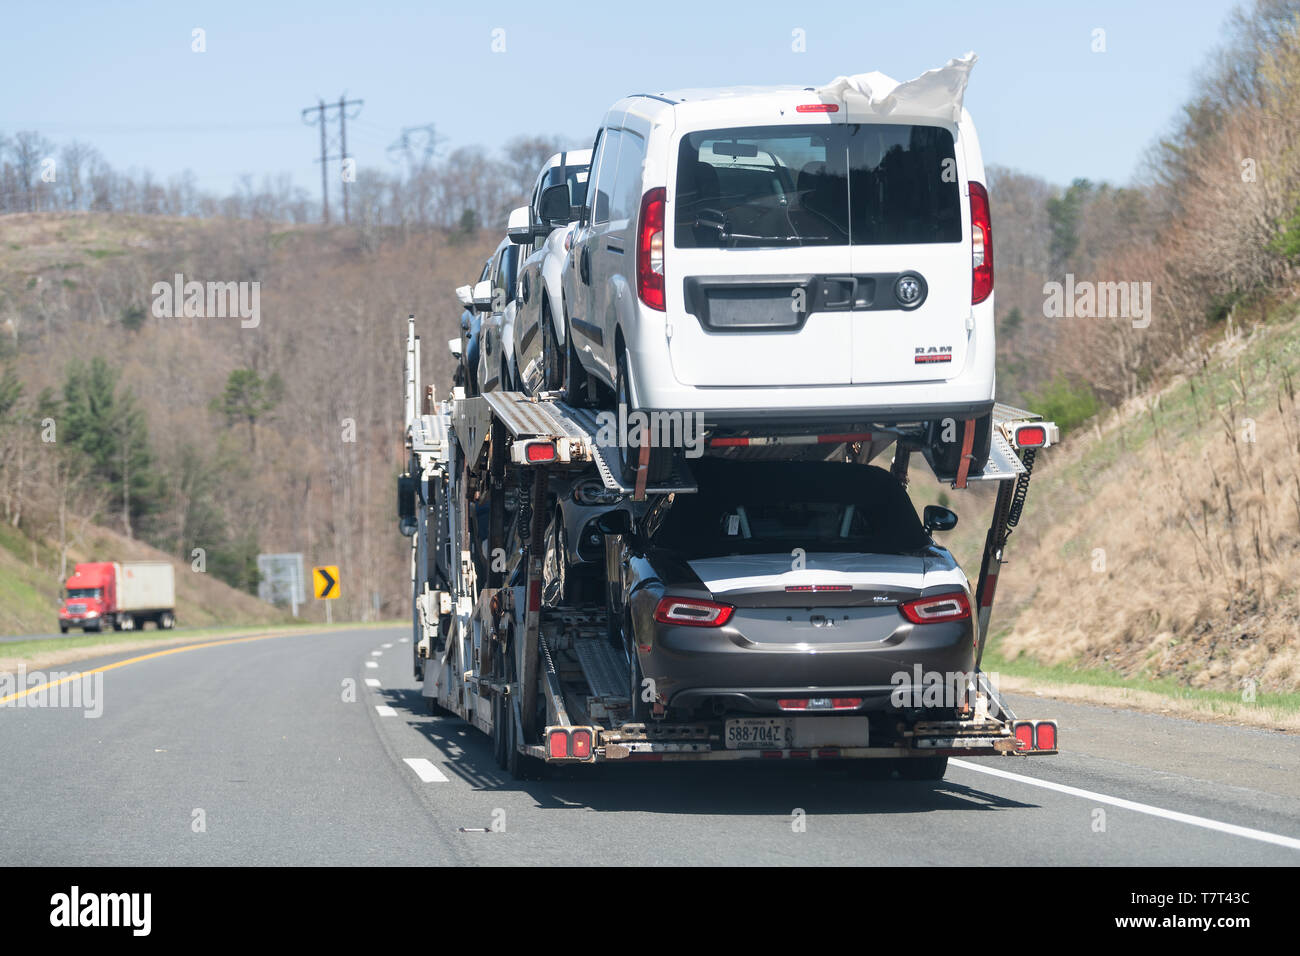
(547, 683)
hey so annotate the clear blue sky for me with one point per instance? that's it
(122, 76)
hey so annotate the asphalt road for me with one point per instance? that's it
(248, 752)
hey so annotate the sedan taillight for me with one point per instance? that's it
(692, 612)
(935, 610)
(981, 244)
(650, 249)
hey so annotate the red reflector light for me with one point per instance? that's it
(539, 451)
(1031, 436)
(557, 744)
(1024, 736)
(692, 612)
(581, 743)
(1046, 735)
(819, 703)
(981, 238)
(935, 610)
(816, 108)
(650, 249)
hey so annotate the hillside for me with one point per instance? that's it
(30, 584)
(1164, 542)
(305, 464)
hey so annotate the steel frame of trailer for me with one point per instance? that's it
(463, 449)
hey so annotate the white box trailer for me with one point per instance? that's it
(146, 591)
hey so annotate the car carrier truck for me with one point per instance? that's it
(556, 683)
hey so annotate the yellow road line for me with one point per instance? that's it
(145, 657)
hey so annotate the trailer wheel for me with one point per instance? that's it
(166, 620)
(520, 766)
(922, 768)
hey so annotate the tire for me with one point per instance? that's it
(499, 741)
(577, 383)
(166, 621)
(553, 373)
(639, 711)
(661, 459)
(62, 629)
(126, 623)
(518, 765)
(922, 768)
(947, 454)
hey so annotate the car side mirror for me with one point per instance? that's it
(520, 226)
(465, 295)
(553, 207)
(618, 521)
(483, 296)
(938, 518)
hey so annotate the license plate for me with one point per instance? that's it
(786, 733)
(759, 733)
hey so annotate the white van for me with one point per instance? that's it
(789, 256)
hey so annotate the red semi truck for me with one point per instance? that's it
(119, 595)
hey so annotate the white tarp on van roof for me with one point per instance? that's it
(935, 93)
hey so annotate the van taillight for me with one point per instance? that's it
(650, 250)
(981, 239)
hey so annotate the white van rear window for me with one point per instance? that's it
(853, 184)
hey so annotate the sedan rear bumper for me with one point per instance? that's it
(908, 665)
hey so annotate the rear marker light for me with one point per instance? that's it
(539, 452)
(1025, 736)
(934, 610)
(581, 740)
(692, 612)
(558, 744)
(817, 108)
(1045, 736)
(1031, 436)
(650, 249)
(981, 239)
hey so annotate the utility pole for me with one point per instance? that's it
(319, 118)
(343, 152)
(324, 174)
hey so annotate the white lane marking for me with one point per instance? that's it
(372, 682)
(372, 663)
(1230, 828)
(376, 653)
(386, 646)
(403, 640)
(425, 770)
(385, 711)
